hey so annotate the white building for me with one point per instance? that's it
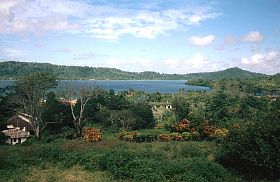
(15, 135)
(18, 129)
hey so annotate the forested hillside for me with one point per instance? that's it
(13, 70)
(229, 73)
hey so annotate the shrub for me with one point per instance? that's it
(67, 132)
(164, 137)
(186, 135)
(182, 126)
(220, 133)
(145, 138)
(208, 170)
(118, 162)
(176, 137)
(92, 135)
(3, 138)
(254, 149)
(194, 135)
(128, 136)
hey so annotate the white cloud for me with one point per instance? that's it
(11, 53)
(196, 63)
(144, 24)
(135, 64)
(202, 40)
(85, 56)
(64, 50)
(39, 16)
(262, 62)
(254, 36)
(100, 20)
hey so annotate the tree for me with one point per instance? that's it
(57, 113)
(143, 115)
(78, 109)
(181, 106)
(6, 108)
(30, 94)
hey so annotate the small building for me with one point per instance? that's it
(164, 105)
(16, 135)
(18, 129)
(20, 121)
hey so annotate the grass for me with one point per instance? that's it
(52, 173)
(75, 160)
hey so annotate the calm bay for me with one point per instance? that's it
(150, 86)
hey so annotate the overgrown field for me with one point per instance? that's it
(111, 159)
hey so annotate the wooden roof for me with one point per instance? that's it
(16, 133)
(21, 122)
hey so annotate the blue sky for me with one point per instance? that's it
(170, 36)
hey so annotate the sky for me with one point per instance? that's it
(166, 36)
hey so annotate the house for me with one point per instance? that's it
(18, 129)
(162, 105)
(20, 121)
(16, 135)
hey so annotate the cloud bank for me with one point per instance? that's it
(96, 19)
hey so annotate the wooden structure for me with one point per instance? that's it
(16, 135)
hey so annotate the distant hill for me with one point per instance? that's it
(229, 73)
(13, 70)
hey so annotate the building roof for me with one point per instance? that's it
(20, 121)
(16, 133)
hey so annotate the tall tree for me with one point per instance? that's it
(181, 105)
(56, 112)
(82, 97)
(30, 94)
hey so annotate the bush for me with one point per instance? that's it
(208, 170)
(164, 137)
(186, 135)
(92, 135)
(118, 162)
(128, 136)
(254, 149)
(3, 138)
(67, 132)
(176, 136)
(182, 126)
(145, 138)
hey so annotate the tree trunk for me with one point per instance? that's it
(79, 130)
(37, 132)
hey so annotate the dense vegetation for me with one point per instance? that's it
(229, 134)
(13, 70)
(257, 85)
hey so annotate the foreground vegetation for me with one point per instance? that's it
(113, 159)
(229, 134)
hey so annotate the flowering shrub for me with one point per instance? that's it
(128, 136)
(164, 137)
(182, 126)
(176, 137)
(186, 135)
(220, 132)
(92, 135)
(208, 130)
